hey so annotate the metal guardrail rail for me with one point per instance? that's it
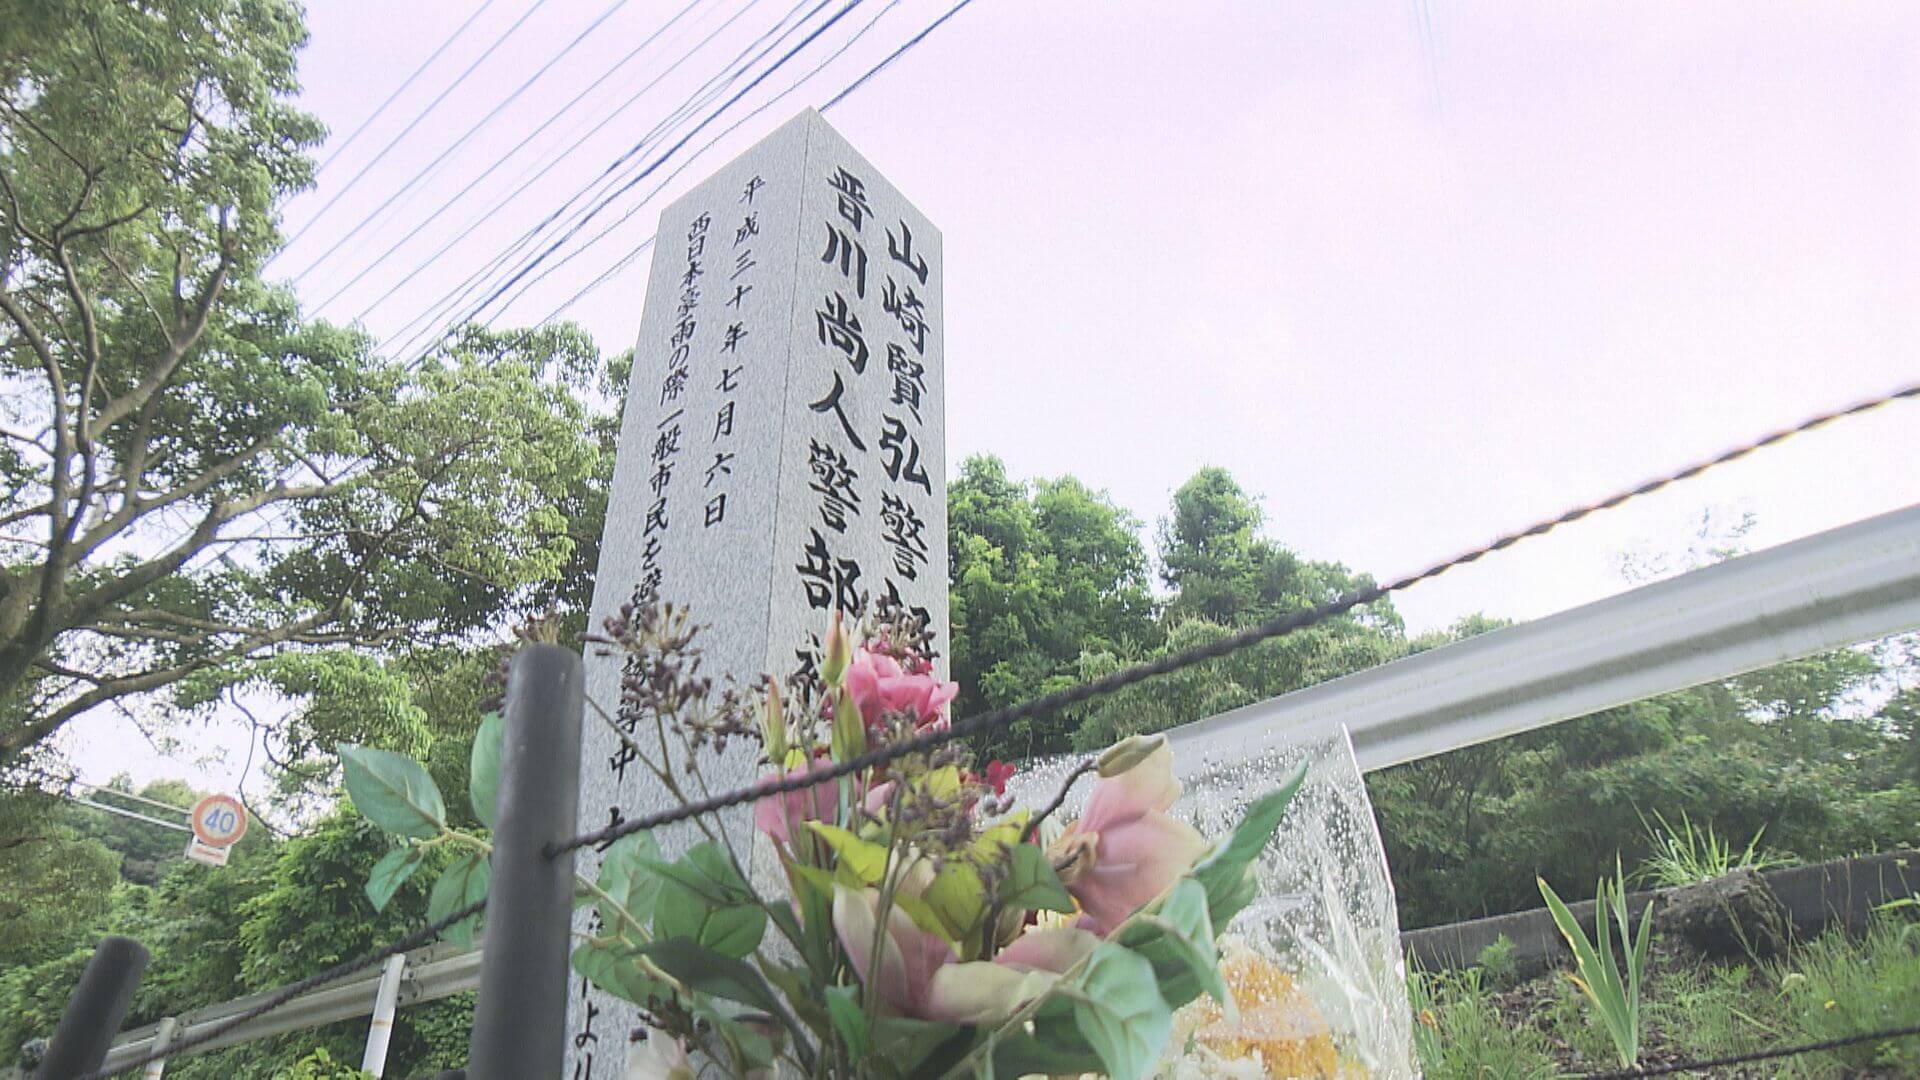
(432, 973)
(1826, 591)
(1823, 592)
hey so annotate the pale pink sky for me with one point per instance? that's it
(1414, 290)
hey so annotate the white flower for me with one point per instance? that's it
(655, 1056)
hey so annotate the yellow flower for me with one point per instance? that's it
(1274, 1024)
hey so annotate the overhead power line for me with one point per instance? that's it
(552, 160)
(714, 87)
(334, 154)
(441, 158)
(479, 309)
(628, 259)
(415, 122)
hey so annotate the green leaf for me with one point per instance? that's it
(751, 1048)
(849, 1020)
(704, 899)
(615, 968)
(625, 876)
(1225, 873)
(865, 859)
(904, 1045)
(1032, 884)
(391, 872)
(1118, 1008)
(483, 774)
(460, 884)
(394, 792)
(1055, 1047)
(1177, 939)
(711, 972)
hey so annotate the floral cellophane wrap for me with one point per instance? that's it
(1315, 962)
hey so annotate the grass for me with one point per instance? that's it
(1693, 855)
(1829, 987)
(1458, 1032)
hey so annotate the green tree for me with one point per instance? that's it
(193, 476)
(55, 884)
(1040, 572)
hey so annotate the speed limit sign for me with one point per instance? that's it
(219, 820)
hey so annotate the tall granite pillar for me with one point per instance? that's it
(782, 455)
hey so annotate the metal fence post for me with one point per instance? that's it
(519, 1025)
(162, 1038)
(95, 1010)
(385, 1001)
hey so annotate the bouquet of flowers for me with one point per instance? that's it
(928, 926)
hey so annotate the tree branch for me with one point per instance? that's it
(180, 342)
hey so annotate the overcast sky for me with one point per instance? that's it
(1416, 273)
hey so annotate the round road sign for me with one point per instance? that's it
(219, 820)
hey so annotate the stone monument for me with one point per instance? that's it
(781, 456)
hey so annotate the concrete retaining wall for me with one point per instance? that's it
(1841, 892)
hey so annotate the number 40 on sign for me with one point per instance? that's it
(218, 823)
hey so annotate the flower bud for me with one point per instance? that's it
(773, 724)
(839, 652)
(1129, 752)
(849, 730)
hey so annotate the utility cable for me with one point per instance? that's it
(415, 122)
(479, 309)
(631, 256)
(712, 88)
(472, 130)
(628, 259)
(429, 219)
(334, 154)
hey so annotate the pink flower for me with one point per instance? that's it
(1125, 850)
(879, 685)
(779, 815)
(919, 976)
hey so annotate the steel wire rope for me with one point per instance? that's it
(430, 218)
(415, 122)
(1228, 645)
(334, 154)
(293, 990)
(1703, 1064)
(478, 310)
(444, 155)
(715, 85)
(628, 259)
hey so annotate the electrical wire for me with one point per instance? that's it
(334, 154)
(479, 309)
(429, 219)
(444, 155)
(415, 122)
(712, 88)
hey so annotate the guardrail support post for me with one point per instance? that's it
(162, 1038)
(519, 1025)
(385, 1001)
(95, 1010)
